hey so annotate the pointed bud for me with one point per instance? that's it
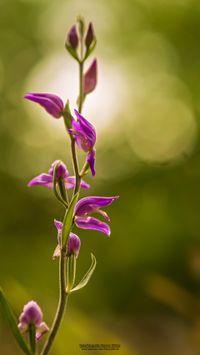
(73, 245)
(90, 78)
(90, 35)
(72, 37)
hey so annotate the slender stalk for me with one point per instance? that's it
(75, 165)
(80, 106)
(32, 339)
(63, 191)
(61, 304)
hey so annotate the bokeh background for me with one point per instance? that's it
(145, 294)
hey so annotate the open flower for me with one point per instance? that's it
(62, 172)
(73, 244)
(32, 315)
(85, 136)
(90, 78)
(93, 204)
(50, 102)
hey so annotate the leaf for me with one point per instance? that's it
(90, 49)
(9, 315)
(71, 51)
(87, 276)
(68, 219)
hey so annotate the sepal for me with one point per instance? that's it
(71, 51)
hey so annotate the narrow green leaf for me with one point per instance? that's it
(68, 219)
(90, 49)
(71, 51)
(87, 276)
(9, 315)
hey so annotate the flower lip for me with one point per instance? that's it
(50, 102)
(92, 223)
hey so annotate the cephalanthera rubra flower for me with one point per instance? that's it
(32, 315)
(46, 179)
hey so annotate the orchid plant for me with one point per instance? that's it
(80, 44)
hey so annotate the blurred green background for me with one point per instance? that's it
(145, 293)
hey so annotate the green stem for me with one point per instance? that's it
(63, 191)
(81, 94)
(61, 304)
(32, 339)
(80, 106)
(75, 165)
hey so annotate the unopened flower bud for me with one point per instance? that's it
(32, 316)
(72, 37)
(90, 35)
(73, 245)
(81, 25)
(90, 78)
(61, 171)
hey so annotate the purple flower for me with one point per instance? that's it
(90, 78)
(89, 205)
(51, 103)
(73, 244)
(62, 172)
(85, 136)
(32, 315)
(73, 37)
(89, 36)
